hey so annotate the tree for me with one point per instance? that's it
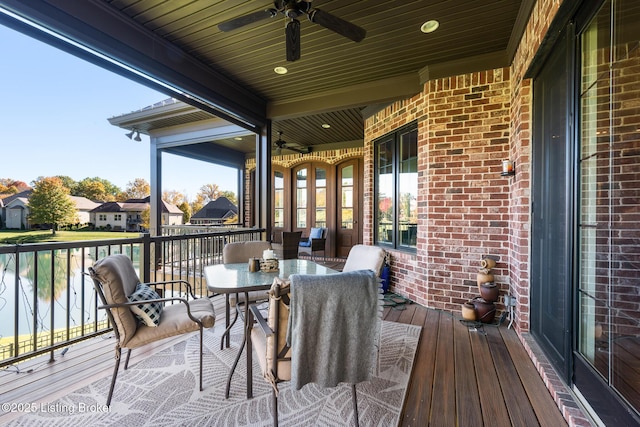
(145, 218)
(68, 182)
(231, 196)
(173, 197)
(50, 204)
(11, 186)
(137, 189)
(186, 212)
(209, 192)
(96, 189)
(92, 190)
(198, 203)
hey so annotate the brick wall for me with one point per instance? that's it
(463, 201)
(466, 125)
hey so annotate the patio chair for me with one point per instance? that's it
(365, 257)
(299, 339)
(237, 252)
(138, 315)
(316, 241)
(288, 249)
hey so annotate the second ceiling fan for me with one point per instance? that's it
(292, 10)
(280, 145)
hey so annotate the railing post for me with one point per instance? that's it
(146, 257)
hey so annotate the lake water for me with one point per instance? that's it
(67, 305)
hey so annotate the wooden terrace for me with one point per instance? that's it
(462, 375)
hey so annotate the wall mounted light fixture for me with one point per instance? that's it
(508, 168)
(136, 132)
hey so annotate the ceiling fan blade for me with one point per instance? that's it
(241, 21)
(338, 25)
(292, 35)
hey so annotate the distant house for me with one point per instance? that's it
(12, 217)
(111, 215)
(215, 212)
(15, 212)
(84, 206)
(127, 215)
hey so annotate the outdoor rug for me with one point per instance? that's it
(161, 390)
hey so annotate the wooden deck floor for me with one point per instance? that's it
(461, 376)
(471, 376)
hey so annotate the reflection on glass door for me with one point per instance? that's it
(312, 196)
(609, 217)
(346, 198)
(278, 202)
(301, 198)
(348, 231)
(320, 217)
(408, 189)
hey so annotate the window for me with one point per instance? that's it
(102, 217)
(301, 198)
(396, 188)
(321, 198)
(117, 217)
(609, 185)
(347, 198)
(278, 202)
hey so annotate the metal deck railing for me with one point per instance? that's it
(48, 303)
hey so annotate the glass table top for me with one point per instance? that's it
(237, 277)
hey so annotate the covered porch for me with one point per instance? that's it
(425, 120)
(462, 375)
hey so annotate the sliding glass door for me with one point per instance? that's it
(608, 342)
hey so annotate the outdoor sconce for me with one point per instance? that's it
(508, 168)
(130, 135)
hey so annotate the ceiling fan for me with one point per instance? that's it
(293, 9)
(280, 145)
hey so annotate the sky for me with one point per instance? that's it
(53, 121)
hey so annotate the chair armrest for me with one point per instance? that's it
(255, 311)
(318, 243)
(130, 303)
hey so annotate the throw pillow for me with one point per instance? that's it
(147, 312)
(315, 233)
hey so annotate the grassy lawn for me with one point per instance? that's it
(11, 237)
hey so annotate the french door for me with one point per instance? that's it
(348, 207)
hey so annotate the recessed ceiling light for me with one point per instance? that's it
(326, 125)
(280, 70)
(238, 138)
(429, 26)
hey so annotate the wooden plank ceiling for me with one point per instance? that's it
(336, 79)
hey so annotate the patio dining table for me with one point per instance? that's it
(236, 278)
